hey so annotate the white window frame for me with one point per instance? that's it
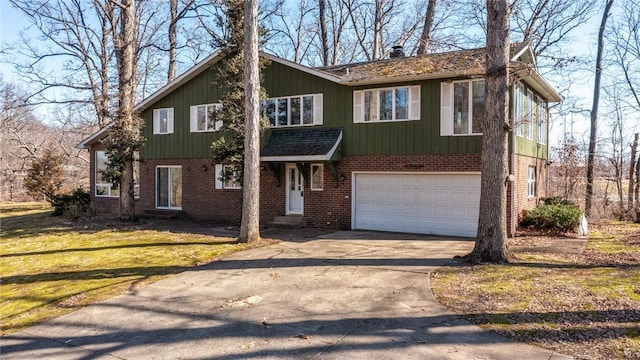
(319, 186)
(518, 110)
(541, 120)
(208, 108)
(155, 188)
(109, 186)
(529, 110)
(157, 121)
(317, 107)
(447, 108)
(413, 104)
(231, 183)
(531, 182)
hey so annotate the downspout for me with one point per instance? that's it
(512, 165)
(512, 185)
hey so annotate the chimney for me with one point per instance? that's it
(397, 52)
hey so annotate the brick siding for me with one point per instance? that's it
(328, 208)
(521, 199)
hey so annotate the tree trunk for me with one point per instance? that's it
(173, 42)
(322, 6)
(125, 50)
(632, 201)
(426, 30)
(377, 31)
(594, 111)
(491, 240)
(250, 226)
(637, 191)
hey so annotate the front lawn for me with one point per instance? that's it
(50, 266)
(584, 303)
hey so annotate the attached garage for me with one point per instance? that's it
(443, 204)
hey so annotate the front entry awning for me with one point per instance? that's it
(307, 144)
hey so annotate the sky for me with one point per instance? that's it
(13, 22)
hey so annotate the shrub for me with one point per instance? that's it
(556, 215)
(72, 205)
(557, 200)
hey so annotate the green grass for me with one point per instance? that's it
(576, 304)
(50, 266)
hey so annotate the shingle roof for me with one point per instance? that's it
(461, 62)
(311, 141)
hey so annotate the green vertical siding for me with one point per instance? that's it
(402, 137)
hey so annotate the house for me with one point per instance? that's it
(389, 145)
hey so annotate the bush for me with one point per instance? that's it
(557, 200)
(556, 215)
(72, 205)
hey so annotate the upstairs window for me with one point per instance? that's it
(462, 107)
(163, 121)
(518, 111)
(202, 118)
(541, 121)
(390, 104)
(300, 110)
(529, 114)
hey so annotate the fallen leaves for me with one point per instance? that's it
(584, 303)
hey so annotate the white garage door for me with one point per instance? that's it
(443, 204)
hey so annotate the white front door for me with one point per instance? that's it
(295, 190)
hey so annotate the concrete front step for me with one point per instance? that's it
(289, 222)
(162, 214)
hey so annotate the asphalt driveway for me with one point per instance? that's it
(343, 295)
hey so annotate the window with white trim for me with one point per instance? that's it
(531, 182)
(103, 187)
(169, 187)
(529, 110)
(461, 107)
(163, 121)
(302, 110)
(541, 120)
(317, 177)
(388, 104)
(226, 177)
(202, 118)
(518, 112)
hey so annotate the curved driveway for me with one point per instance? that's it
(344, 295)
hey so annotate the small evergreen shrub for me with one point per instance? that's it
(72, 205)
(553, 214)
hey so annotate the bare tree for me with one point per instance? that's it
(78, 34)
(250, 226)
(425, 38)
(369, 23)
(324, 40)
(22, 139)
(176, 14)
(594, 110)
(124, 138)
(547, 25)
(632, 200)
(292, 24)
(491, 239)
(617, 142)
(625, 36)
